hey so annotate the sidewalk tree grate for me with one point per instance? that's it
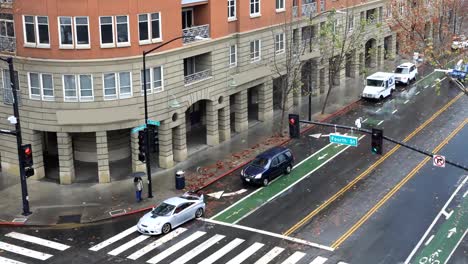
(65, 219)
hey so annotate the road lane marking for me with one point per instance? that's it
(364, 120)
(223, 251)
(394, 111)
(378, 110)
(24, 251)
(294, 258)
(128, 245)
(246, 253)
(37, 240)
(157, 243)
(429, 240)
(456, 246)
(406, 102)
(198, 250)
(270, 255)
(319, 260)
(397, 187)
(166, 253)
(9, 261)
(443, 79)
(368, 170)
(380, 123)
(417, 92)
(114, 239)
(425, 87)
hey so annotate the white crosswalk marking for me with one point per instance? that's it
(24, 251)
(223, 251)
(157, 243)
(174, 248)
(294, 258)
(246, 253)
(128, 245)
(9, 261)
(114, 239)
(270, 255)
(319, 260)
(37, 240)
(341, 262)
(199, 249)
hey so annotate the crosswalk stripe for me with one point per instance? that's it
(176, 247)
(24, 251)
(319, 260)
(128, 245)
(157, 243)
(199, 249)
(114, 239)
(270, 255)
(246, 253)
(9, 261)
(341, 262)
(223, 251)
(37, 240)
(294, 258)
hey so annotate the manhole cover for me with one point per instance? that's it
(63, 219)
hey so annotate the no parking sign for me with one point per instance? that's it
(438, 161)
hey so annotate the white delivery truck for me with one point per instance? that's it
(379, 85)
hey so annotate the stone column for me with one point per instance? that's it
(314, 77)
(166, 157)
(65, 152)
(136, 164)
(354, 64)
(102, 152)
(265, 101)
(324, 73)
(180, 142)
(380, 55)
(34, 138)
(212, 133)
(224, 121)
(241, 111)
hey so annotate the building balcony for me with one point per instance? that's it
(309, 9)
(6, 3)
(7, 44)
(196, 33)
(295, 11)
(197, 76)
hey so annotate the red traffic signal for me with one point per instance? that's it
(27, 151)
(294, 126)
(27, 159)
(292, 121)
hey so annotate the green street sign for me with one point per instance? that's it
(152, 122)
(343, 139)
(138, 128)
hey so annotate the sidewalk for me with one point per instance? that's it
(52, 203)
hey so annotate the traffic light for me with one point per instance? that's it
(27, 160)
(154, 138)
(142, 145)
(294, 126)
(377, 141)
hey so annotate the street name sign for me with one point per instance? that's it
(138, 128)
(343, 139)
(152, 122)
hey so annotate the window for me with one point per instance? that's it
(65, 32)
(80, 35)
(187, 18)
(350, 22)
(7, 28)
(279, 43)
(231, 5)
(233, 55)
(29, 31)
(82, 32)
(255, 50)
(36, 31)
(41, 86)
(43, 30)
(279, 5)
(7, 92)
(123, 38)
(78, 87)
(154, 80)
(107, 31)
(144, 28)
(117, 85)
(254, 8)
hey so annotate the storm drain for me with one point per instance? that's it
(65, 219)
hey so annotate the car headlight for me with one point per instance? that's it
(258, 176)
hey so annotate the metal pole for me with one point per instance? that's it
(24, 187)
(310, 98)
(147, 152)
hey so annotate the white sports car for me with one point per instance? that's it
(171, 213)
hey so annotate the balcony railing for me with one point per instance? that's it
(198, 76)
(295, 11)
(6, 1)
(309, 9)
(7, 44)
(202, 31)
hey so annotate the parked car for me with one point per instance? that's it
(172, 213)
(379, 85)
(267, 166)
(405, 73)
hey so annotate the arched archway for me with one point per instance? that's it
(371, 53)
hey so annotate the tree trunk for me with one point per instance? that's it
(284, 99)
(330, 86)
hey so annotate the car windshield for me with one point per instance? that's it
(260, 162)
(377, 83)
(163, 209)
(401, 70)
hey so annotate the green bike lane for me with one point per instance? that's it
(263, 195)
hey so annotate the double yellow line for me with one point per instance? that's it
(368, 170)
(363, 219)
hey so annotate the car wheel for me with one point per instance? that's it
(381, 97)
(288, 169)
(265, 181)
(166, 228)
(199, 213)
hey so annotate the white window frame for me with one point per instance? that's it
(279, 43)
(148, 39)
(231, 62)
(149, 24)
(259, 47)
(70, 99)
(351, 23)
(151, 88)
(118, 94)
(107, 45)
(39, 44)
(26, 43)
(116, 33)
(281, 7)
(78, 97)
(41, 87)
(75, 34)
(232, 17)
(65, 46)
(254, 3)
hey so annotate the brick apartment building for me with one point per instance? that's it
(79, 68)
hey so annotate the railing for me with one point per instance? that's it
(308, 9)
(295, 11)
(202, 31)
(198, 76)
(6, 1)
(7, 44)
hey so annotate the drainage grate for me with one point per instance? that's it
(64, 219)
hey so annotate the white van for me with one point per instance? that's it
(379, 85)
